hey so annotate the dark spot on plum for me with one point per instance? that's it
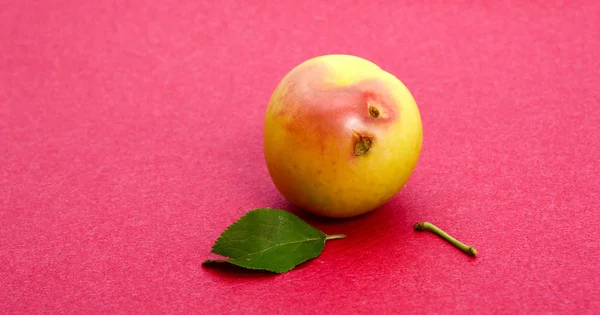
(362, 143)
(373, 111)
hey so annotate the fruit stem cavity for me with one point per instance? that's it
(426, 226)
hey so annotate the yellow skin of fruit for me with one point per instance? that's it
(341, 136)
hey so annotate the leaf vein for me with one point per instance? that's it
(280, 244)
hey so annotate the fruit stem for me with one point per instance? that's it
(426, 226)
(334, 237)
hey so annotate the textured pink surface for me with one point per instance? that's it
(131, 138)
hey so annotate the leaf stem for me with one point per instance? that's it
(334, 237)
(426, 226)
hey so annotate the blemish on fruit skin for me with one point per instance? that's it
(362, 143)
(329, 114)
(373, 111)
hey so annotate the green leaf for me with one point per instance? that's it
(269, 239)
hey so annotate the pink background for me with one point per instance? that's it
(131, 137)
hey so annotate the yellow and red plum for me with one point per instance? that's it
(341, 136)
